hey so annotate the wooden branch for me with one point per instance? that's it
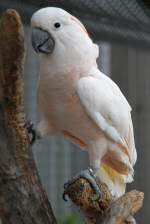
(22, 199)
(106, 210)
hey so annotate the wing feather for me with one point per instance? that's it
(108, 108)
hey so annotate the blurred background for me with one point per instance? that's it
(121, 28)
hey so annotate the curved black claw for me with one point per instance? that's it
(89, 176)
(64, 196)
(31, 131)
(66, 185)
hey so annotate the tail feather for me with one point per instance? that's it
(116, 182)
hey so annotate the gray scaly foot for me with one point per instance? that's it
(89, 176)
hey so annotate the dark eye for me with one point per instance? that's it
(57, 25)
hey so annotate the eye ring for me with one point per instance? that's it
(57, 25)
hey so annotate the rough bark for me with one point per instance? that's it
(22, 199)
(107, 210)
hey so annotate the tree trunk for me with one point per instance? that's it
(22, 199)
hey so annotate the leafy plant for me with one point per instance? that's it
(71, 219)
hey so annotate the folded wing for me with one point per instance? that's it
(108, 108)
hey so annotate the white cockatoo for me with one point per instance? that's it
(78, 101)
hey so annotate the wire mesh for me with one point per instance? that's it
(123, 20)
(124, 25)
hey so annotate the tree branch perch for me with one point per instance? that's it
(22, 198)
(107, 210)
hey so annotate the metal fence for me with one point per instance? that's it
(122, 30)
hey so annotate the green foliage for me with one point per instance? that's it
(71, 219)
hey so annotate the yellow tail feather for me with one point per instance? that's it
(116, 182)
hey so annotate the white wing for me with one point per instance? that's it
(108, 108)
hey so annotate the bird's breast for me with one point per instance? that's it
(61, 106)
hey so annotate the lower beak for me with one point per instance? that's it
(42, 41)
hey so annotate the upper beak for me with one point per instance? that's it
(42, 41)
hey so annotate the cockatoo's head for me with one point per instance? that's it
(56, 33)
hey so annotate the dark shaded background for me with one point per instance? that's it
(122, 30)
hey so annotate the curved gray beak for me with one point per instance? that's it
(42, 41)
